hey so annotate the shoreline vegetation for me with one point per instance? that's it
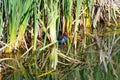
(59, 39)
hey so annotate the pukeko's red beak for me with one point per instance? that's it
(66, 34)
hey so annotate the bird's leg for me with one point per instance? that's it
(64, 43)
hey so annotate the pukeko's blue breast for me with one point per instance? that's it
(62, 38)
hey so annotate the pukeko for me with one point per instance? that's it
(62, 38)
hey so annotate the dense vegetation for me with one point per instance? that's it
(30, 32)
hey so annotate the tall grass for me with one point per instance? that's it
(29, 32)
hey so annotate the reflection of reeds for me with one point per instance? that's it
(29, 30)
